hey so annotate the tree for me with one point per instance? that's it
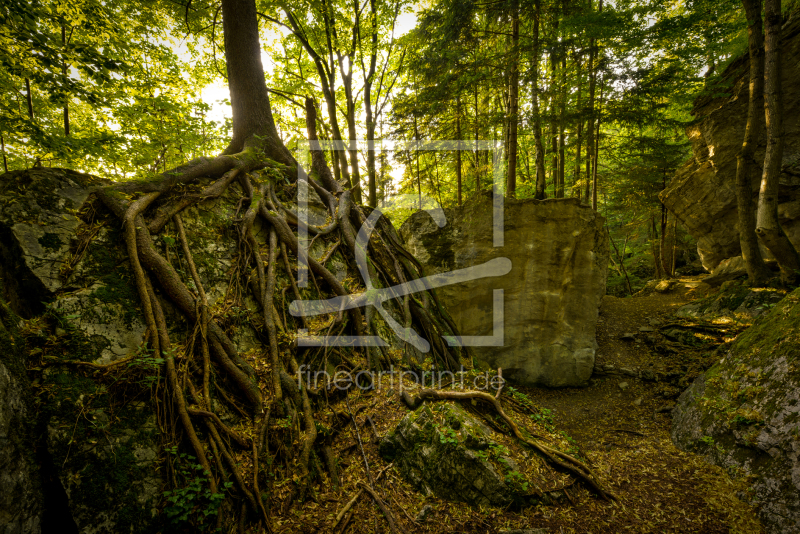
(757, 271)
(768, 228)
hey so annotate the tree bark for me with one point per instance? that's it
(590, 122)
(29, 98)
(557, 193)
(562, 104)
(513, 103)
(458, 150)
(768, 228)
(576, 190)
(537, 120)
(64, 74)
(373, 59)
(253, 124)
(3, 147)
(596, 151)
(757, 271)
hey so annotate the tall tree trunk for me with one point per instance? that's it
(64, 74)
(757, 271)
(537, 120)
(347, 82)
(3, 147)
(29, 98)
(596, 151)
(562, 104)
(373, 59)
(318, 164)
(416, 157)
(458, 150)
(513, 103)
(768, 228)
(253, 124)
(327, 76)
(655, 248)
(553, 105)
(477, 133)
(590, 122)
(663, 246)
(576, 190)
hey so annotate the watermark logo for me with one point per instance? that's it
(367, 380)
(377, 297)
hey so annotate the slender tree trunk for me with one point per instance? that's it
(656, 251)
(458, 150)
(477, 133)
(595, 154)
(416, 156)
(674, 244)
(557, 193)
(513, 103)
(562, 108)
(757, 271)
(29, 98)
(768, 228)
(590, 123)
(3, 146)
(576, 189)
(64, 74)
(253, 124)
(373, 59)
(318, 164)
(663, 246)
(537, 120)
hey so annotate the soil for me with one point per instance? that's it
(621, 424)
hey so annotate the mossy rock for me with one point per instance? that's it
(744, 413)
(444, 451)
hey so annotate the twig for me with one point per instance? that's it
(386, 513)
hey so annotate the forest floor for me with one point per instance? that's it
(621, 424)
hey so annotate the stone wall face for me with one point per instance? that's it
(559, 257)
(703, 192)
(743, 414)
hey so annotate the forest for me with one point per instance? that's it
(388, 266)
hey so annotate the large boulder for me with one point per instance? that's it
(559, 257)
(744, 414)
(444, 451)
(702, 194)
(21, 495)
(64, 270)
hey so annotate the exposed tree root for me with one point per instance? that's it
(564, 461)
(212, 360)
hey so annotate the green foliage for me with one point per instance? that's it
(192, 502)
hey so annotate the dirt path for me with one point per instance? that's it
(622, 424)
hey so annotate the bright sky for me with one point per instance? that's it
(216, 94)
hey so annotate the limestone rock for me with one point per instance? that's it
(21, 496)
(734, 301)
(743, 414)
(729, 269)
(37, 225)
(702, 193)
(559, 257)
(444, 451)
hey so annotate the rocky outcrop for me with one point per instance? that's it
(744, 414)
(559, 257)
(444, 451)
(703, 194)
(21, 495)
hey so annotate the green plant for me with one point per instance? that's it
(448, 436)
(192, 503)
(708, 440)
(516, 480)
